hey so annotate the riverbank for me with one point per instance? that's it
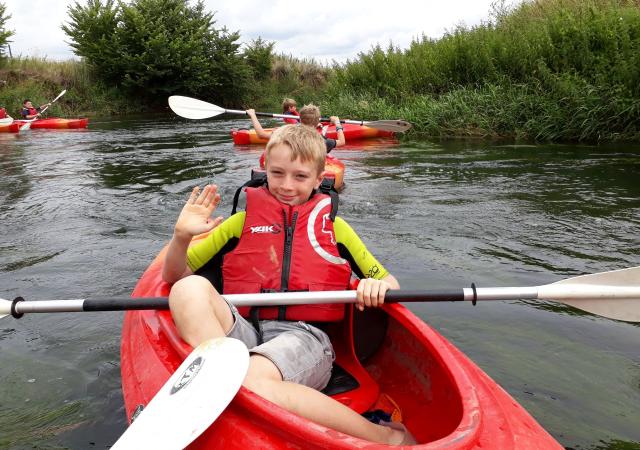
(544, 71)
(41, 80)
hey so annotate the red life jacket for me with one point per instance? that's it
(3, 113)
(292, 113)
(287, 248)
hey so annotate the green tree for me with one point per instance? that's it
(156, 47)
(259, 56)
(4, 33)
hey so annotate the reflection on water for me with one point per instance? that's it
(84, 212)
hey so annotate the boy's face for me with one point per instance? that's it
(291, 182)
(28, 105)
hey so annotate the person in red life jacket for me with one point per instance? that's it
(29, 112)
(284, 240)
(289, 106)
(3, 114)
(309, 116)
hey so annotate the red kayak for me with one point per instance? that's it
(55, 123)
(12, 127)
(351, 132)
(385, 357)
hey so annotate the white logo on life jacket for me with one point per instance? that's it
(311, 233)
(275, 229)
(326, 218)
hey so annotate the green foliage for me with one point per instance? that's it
(259, 54)
(571, 69)
(42, 80)
(4, 33)
(158, 47)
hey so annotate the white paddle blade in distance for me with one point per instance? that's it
(395, 126)
(193, 398)
(191, 108)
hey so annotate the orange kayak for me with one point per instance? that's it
(55, 123)
(352, 132)
(13, 127)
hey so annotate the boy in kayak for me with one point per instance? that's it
(289, 106)
(309, 116)
(284, 240)
(29, 112)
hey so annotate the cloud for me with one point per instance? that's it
(320, 30)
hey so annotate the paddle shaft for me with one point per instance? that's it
(285, 298)
(288, 116)
(53, 101)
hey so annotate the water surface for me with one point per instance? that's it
(82, 213)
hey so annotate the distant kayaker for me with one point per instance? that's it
(29, 112)
(3, 114)
(309, 116)
(284, 240)
(289, 106)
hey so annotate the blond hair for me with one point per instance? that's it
(304, 142)
(310, 115)
(288, 103)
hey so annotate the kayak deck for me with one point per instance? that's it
(445, 400)
(55, 123)
(351, 132)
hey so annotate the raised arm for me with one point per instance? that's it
(195, 218)
(260, 132)
(340, 140)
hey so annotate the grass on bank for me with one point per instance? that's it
(41, 80)
(545, 70)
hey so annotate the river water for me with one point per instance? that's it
(82, 213)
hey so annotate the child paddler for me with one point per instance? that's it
(29, 112)
(310, 117)
(269, 247)
(289, 108)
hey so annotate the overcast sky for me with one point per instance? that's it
(325, 31)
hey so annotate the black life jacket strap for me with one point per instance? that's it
(327, 187)
(254, 315)
(258, 178)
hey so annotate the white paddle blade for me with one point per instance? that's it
(395, 126)
(614, 294)
(59, 95)
(6, 121)
(5, 308)
(191, 108)
(192, 399)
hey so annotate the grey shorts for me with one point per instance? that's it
(302, 352)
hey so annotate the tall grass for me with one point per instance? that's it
(302, 79)
(41, 80)
(546, 69)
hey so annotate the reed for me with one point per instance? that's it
(41, 80)
(546, 69)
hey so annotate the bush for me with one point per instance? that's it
(158, 47)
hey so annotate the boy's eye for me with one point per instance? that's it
(301, 176)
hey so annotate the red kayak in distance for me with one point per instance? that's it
(386, 358)
(12, 127)
(351, 131)
(55, 123)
